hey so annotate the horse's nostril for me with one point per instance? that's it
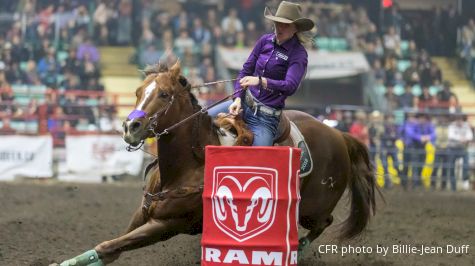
(134, 126)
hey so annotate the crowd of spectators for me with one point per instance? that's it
(467, 49)
(404, 74)
(49, 57)
(450, 134)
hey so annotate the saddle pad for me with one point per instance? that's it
(306, 162)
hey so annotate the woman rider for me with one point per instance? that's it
(272, 72)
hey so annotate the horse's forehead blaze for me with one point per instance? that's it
(147, 92)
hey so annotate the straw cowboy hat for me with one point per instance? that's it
(288, 12)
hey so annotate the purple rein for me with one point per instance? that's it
(136, 114)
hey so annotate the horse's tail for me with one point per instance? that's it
(362, 186)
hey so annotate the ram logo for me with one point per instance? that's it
(244, 200)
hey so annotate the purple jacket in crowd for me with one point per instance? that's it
(413, 131)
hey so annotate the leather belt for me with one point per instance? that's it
(253, 104)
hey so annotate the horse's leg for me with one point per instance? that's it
(138, 219)
(316, 227)
(147, 234)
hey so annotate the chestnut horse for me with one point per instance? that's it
(175, 205)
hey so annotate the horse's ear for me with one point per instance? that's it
(175, 70)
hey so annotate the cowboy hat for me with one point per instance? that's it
(290, 13)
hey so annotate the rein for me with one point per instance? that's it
(202, 111)
(167, 130)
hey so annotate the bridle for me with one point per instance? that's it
(153, 120)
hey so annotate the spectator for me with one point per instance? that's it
(150, 56)
(371, 55)
(391, 99)
(388, 147)
(378, 72)
(49, 68)
(407, 100)
(391, 70)
(161, 24)
(417, 133)
(101, 16)
(412, 52)
(14, 74)
(411, 74)
(88, 48)
(88, 69)
(468, 38)
(445, 95)
(71, 63)
(359, 129)
(251, 34)
(231, 23)
(184, 42)
(31, 74)
(441, 160)
(55, 119)
(392, 41)
(8, 106)
(211, 19)
(345, 119)
(6, 128)
(19, 52)
(425, 74)
(82, 17)
(375, 131)
(181, 22)
(460, 135)
(71, 82)
(124, 27)
(200, 34)
(426, 100)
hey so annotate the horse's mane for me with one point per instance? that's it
(161, 67)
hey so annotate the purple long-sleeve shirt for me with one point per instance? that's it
(413, 131)
(284, 66)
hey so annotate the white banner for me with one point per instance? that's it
(26, 156)
(100, 155)
(321, 65)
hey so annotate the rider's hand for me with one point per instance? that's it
(248, 81)
(235, 107)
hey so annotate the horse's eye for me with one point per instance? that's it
(163, 94)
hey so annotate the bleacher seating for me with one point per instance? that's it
(331, 44)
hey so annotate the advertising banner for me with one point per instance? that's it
(250, 202)
(101, 155)
(321, 65)
(26, 156)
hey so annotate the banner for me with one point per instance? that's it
(321, 65)
(26, 156)
(100, 155)
(250, 201)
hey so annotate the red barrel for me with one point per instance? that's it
(250, 206)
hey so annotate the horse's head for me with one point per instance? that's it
(162, 100)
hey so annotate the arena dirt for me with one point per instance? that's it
(46, 222)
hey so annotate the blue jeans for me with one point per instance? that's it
(220, 108)
(263, 126)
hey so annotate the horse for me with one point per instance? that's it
(166, 109)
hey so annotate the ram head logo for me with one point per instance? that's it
(244, 202)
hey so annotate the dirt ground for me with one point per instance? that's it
(46, 222)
